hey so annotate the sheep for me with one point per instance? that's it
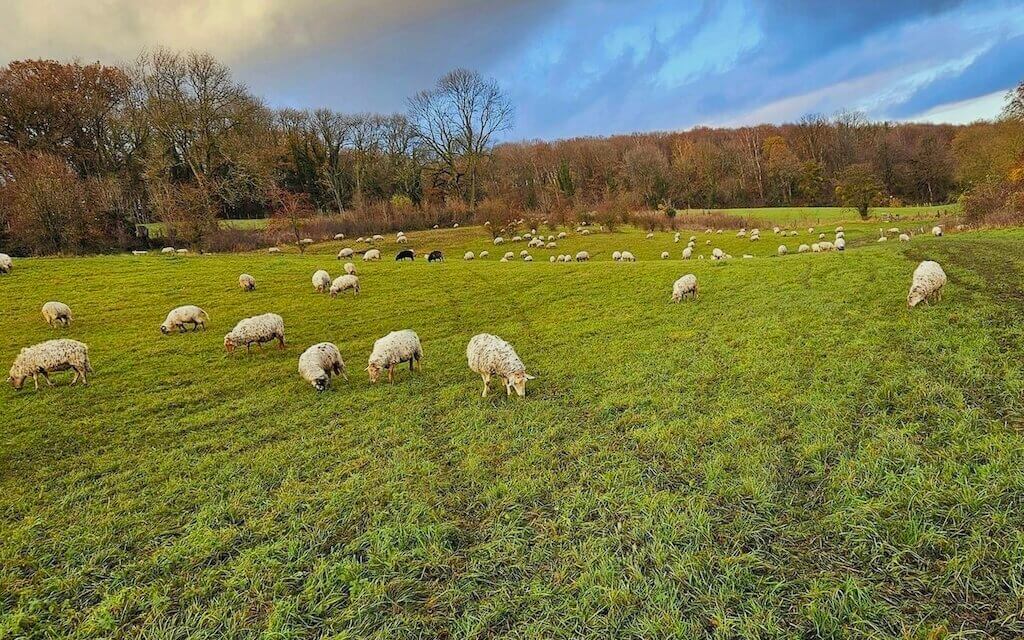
(747, 256)
(321, 281)
(904, 237)
(840, 234)
(816, 247)
(821, 236)
(562, 235)
(346, 253)
(402, 240)
(937, 232)
(509, 256)
(894, 230)
(339, 236)
(664, 255)
(362, 239)
(840, 244)
(684, 287)
(551, 259)
(488, 355)
(455, 226)
(517, 238)
(499, 240)
(551, 245)
(405, 254)
(742, 233)
(256, 330)
(840, 229)
(134, 253)
(693, 238)
(167, 250)
(536, 242)
(775, 230)
(49, 357)
(344, 283)
(783, 250)
(503, 260)
(803, 248)
(373, 255)
(810, 229)
(755, 238)
(717, 254)
(527, 258)
(527, 236)
(524, 253)
(650, 236)
(304, 241)
(392, 350)
(318, 363)
(6, 264)
(582, 256)
(484, 254)
(687, 253)
(469, 256)
(926, 286)
(247, 282)
(585, 232)
(349, 268)
(827, 246)
(628, 257)
(184, 315)
(435, 256)
(675, 238)
(616, 256)
(181, 251)
(377, 237)
(273, 250)
(883, 239)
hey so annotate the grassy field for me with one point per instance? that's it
(795, 454)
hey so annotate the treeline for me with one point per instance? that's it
(90, 153)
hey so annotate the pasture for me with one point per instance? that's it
(794, 454)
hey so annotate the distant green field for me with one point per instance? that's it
(792, 455)
(156, 229)
(821, 215)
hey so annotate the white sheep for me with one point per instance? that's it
(650, 236)
(840, 229)
(527, 258)
(551, 245)
(821, 236)
(318, 363)
(827, 246)
(6, 264)
(840, 234)
(803, 248)
(488, 355)
(585, 232)
(57, 313)
(256, 330)
(816, 247)
(894, 230)
(517, 238)
(392, 350)
(582, 256)
(687, 253)
(664, 255)
(321, 281)
(742, 233)
(499, 240)
(840, 244)
(926, 286)
(783, 250)
(937, 232)
(536, 242)
(628, 257)
(339, 236)
(484, 254)
(616, 256)
(372, 255)
(562, 235)
(509, 256)
(247, 282)
(273, 250)
(717, 254)
(402, 240)
(49, 357)
(883, 239)
(134, 253)
(344, 283)
(904, 237)
(304, 241)
(469, 255)
(184, 315)
(181, 251)
(350, 268)
(167, 250)
(684, 287)
(551, 259)
(524, 253)
(377, 237)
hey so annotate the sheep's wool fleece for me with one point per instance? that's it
(52, 355)
(345, 282)
(321, 280)
(928, 278)
(684, 286)
(262, 328)
(318, 360)
(53, 310)
(490, 354)
(396, 347)
(183, 314)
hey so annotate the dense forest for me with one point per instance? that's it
(88, 153)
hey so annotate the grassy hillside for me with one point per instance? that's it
(795, 454)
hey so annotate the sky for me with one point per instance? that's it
(574, 67)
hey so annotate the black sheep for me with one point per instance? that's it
(435, 256)
(406, 254)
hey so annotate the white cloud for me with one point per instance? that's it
(984, 107)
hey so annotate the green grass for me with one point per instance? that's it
(823, 215)
(156, 229)
(795, 454)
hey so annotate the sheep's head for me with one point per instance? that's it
(17, 381)
(373, 370)
(229, 344)
(517, 381)
(164, 329)
(334, 292)
(915, 297)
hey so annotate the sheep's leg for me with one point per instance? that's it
(35, 381)
(391, 374)
(46, 377)
(487, 381)
(74, 378)
(412, 364)
(280, 342)
(81, 373)
(508, 387)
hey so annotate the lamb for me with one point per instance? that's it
(628, 257)
(392, 350)
(664, 255)
(346, 253)
(937, 232)
(684, 287)
(929, 278)
(827, 246)
(6, 264)
(377, 237)
(256, 330)
(536, 242)
(687, 253)
(247, 282)
(435, 256)
(318, 363)
(344, 283)
(181, 316)
(816, 247)
(57, 313)
(783, 250)
(904, 237)
(321, 281)
(371, 255)
(821, 236)
(469, 256)
(551, 259)
(551, 245)
(48, 357)
(840, 234)
(488, 355)
(350, 268)
(582, 256)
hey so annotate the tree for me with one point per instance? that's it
(457, 120)
(859, 188)
(1014, 107)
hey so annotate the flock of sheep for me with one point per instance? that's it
(487, 355)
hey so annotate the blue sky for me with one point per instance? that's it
(576, 67)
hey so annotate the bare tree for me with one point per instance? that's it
(458, 120)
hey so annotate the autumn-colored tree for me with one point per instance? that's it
(859, 188)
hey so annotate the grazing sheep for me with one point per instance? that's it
(562, 235)
(926, 286)
(664, 255)
(57, 313)
(256, 330)
(360, 239)
(803, 248)
(894, 230)
(346, 253)
(321, 281)
(509, 256)
(840, 234)
(184, 315)
(455, 226)
(181, 251)
(517, 238)
(582, 256)
(717, 254)
(377, 237)
(675, 238)
(134, 253)
(49, 357)
(585, 232)
(499, 240)
(405, 254)
(810, 229)
(402, 240)
(821, 236)
(840, 244)
(304, 241)
(551, 245)
(524, 253)
(742, 233)
(684, 287)
(816, 247)
(273, 250)
(527, 258)
(755, 238)
(349, 268)
(616, 256)
(783, 250)
(827, 246)
(392, 350)
(344, 283)
(469, 256)
(167, 250)
(775, 230)
(904, 237)
(488, 355)
(503, 260)
(937, 232)
(484, 254)
(6, 264)
(840, 229)
(628, 257)
(247, 282)
(318, 363)
(373, 255)
(650, 236)
(883, 239)
(687, 253)
(536, 242)
(435, 256)
(339, 236)
(551, 259)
